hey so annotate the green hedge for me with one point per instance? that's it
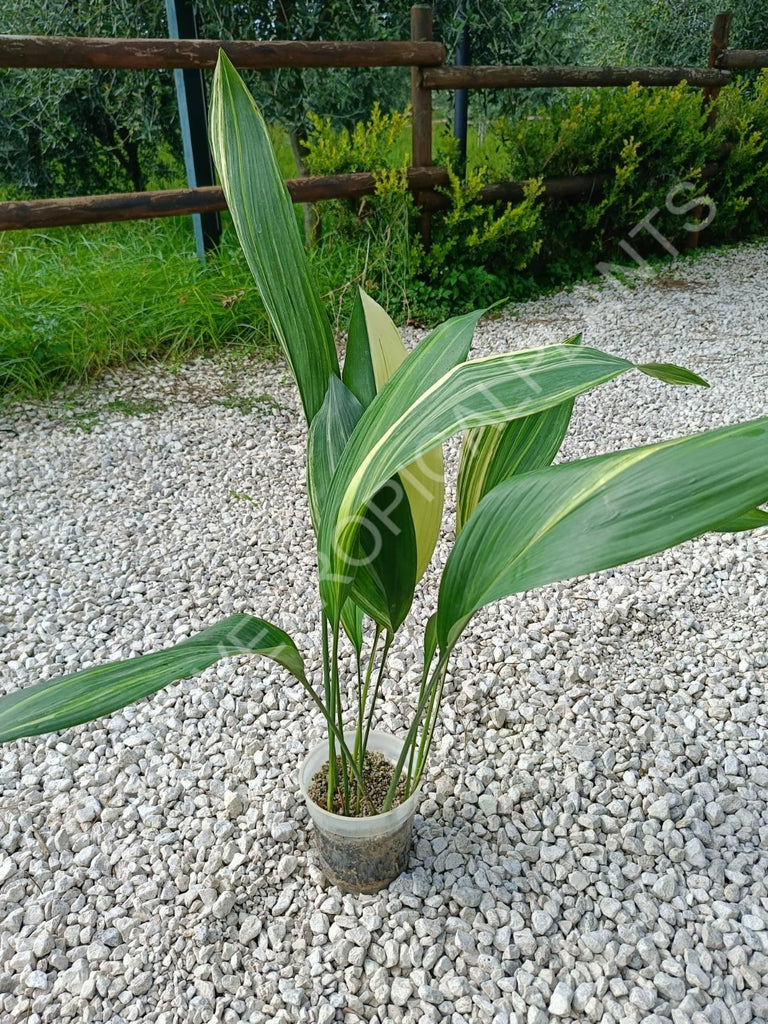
(653, 142)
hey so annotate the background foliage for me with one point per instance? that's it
(74, 132)
(73, 301)
(648, 140)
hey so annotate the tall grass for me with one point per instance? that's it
(74, 301)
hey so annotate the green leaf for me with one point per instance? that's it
(328, 435)
(358, 365)
(751, 520)
(597, 513)
(430, 639)
(385, 577)
(672, 374)
(492, 454)
(397, 428)
(352, 621)
(87, 695)
(375, 351)
(386, 574)
(264, 219)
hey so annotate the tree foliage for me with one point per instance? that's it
(82, 130)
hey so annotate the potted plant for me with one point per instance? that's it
(375, 483)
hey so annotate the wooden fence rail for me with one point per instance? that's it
(142, 54)
(50, 213)
(743, 59)
(523, 77)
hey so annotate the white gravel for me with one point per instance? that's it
(593, 840)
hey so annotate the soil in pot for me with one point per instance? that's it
(362, 863)
(377, 776)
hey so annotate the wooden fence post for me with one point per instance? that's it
(421, 110)
(718, 44)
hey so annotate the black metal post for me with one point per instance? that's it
(461, 96)
(190, 92)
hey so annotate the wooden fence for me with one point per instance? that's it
(424, 56)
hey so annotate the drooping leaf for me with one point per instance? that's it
(87, 695)
(584, 516)
(672, 374)
(266, 226)
(492, 454)
(395, 429)
(375, 350)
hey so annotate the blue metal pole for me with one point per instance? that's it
(190, 93)
(461, 96)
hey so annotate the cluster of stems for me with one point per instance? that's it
(370, 673)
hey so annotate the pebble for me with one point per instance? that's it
(249, 929)
(401, 991)
(223, 905)
(591, 840)
(670, 988)
(141, 984)
(665, 887)
(541, 922)
(562, 997)
(660, 809)
(466, 895)
(233, 804)
(37, 980)
(283, 831)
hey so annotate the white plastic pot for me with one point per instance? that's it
(360, 854)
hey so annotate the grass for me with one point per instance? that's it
(74, 301)
(77, 301)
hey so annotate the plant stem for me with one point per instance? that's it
(382, 664)
(430, 722)
(334, 733)
(340, 714)
(329, 703)
(412, 733)
(422, 684)
(359, 752)
(364, 699)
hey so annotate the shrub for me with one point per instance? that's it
(654, 144)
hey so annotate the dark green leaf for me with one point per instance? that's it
(87, 695)
(585, 516)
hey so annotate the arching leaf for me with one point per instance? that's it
(596, 513)
(396, 429)
(87, 695)
(263, 216)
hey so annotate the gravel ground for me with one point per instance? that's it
(593, 838)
